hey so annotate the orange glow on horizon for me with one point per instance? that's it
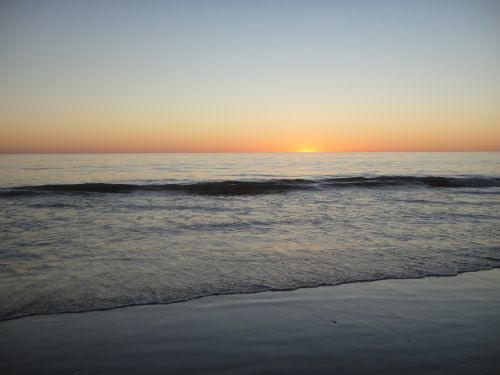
(82, 135)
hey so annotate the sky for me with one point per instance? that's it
(249, 76)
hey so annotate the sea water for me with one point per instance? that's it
(88, 232)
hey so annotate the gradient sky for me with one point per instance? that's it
(219, 76)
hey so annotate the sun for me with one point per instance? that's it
(307, 149)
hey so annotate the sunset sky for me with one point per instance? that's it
(249, 76)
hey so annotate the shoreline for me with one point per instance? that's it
(436, 324)
(132, 305)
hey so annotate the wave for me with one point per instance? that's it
(428, 181)
(242, 187)
(252, 289)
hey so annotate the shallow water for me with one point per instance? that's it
(85, 232)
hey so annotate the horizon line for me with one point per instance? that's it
(242, 152)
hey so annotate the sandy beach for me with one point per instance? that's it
(434, 325)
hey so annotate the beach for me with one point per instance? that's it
(434, 325)
(250, 264)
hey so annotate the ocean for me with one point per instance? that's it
(92, 232)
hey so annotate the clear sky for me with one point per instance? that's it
(219, 76)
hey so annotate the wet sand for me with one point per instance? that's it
(436, 325)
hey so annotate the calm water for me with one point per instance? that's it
(84, 232)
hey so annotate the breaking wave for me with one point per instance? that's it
(243, 187)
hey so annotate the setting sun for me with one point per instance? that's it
(307, 149)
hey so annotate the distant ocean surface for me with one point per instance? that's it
(87, 232)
